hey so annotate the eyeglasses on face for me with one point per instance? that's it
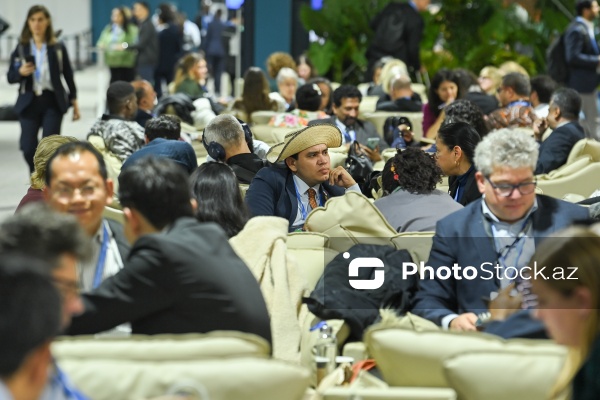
(506, 190)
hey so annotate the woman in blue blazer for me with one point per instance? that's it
(37, 65)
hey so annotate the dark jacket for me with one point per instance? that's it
(586, 384)
(186, 279)
(471, 192)
(462, 238)
(413, 33)
(56, 53)
(147, 44)
(403, 104)
(554, 151)
(170, 45)
(246, 166)
(272, 192)
(363, 129)
(335, 298)
(582, 59)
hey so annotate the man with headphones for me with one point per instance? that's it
(229, 141)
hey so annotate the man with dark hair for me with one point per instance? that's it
(402, 97)
(29, 320)
(516, 109)
(58, 240)
(563, 116)
(182, 276)
(346, 100)
(77, 183)
(162, 140)
(308, 102)
(122, 136)
(305, 182)
(542, 87)
(146, 101)
(228, 142)
(147, 43)
(583, 60)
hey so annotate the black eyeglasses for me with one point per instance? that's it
(506, 190)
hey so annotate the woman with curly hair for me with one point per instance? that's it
(255, 95)
(411, 203)
(466, 111)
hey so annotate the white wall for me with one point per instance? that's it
(72, 16)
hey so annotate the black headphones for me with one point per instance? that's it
(217, 152)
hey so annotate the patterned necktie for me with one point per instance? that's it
(312, 198)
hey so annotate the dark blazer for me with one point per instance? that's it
(147, 44)
(404, 104)
(186, 279)
(363, 129)
(170, 47)
(272, 192)
(26, 94)
(413, 33)
(462, 238)
(554, 151)
(486, 103)
(582, 59)
(471, 192)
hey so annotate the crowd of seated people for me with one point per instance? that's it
(169, 267)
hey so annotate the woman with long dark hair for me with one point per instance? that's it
(443, 91)
(37, 65)
(215, 188)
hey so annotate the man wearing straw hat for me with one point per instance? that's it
(304, 180)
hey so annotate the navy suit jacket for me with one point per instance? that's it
(582, 59)
(26, 93)
(555, 150)
(272, 192)
(462, 238)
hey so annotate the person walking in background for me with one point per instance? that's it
(170, 47)
(37, 65)
(583, 59)
(147, 44)
(215, 50)
(115, 39)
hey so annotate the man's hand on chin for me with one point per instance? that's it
(374, 154)
(464, 322)
(340, 177)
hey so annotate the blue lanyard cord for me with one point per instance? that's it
(63, 382)
(523, 103)
(303, 211)
(101, 257)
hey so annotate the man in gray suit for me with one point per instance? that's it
(346, 100)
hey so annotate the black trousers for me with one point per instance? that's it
(43, 112)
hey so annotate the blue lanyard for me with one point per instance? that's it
(303, 211)
(69, 391)
(101, 258)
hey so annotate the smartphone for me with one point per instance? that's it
(372, 143)
(30, 59)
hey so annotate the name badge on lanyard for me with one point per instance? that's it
(40, 64)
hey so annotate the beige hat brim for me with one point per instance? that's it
(295, 142)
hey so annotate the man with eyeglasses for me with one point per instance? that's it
(58, 240)
(77, 183)
(497, 233)
(516, 109)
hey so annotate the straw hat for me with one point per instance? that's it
(298, 141)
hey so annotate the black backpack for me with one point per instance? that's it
(556, 56)
(389, 33)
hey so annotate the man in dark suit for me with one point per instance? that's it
(487, 245)
(346, 100)
(77, 183)
(147, 43)
(402, 97)
(181, 276)
(583, 60)
(146, 101)
(563, 114)
(400, 39)
(305, 182)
